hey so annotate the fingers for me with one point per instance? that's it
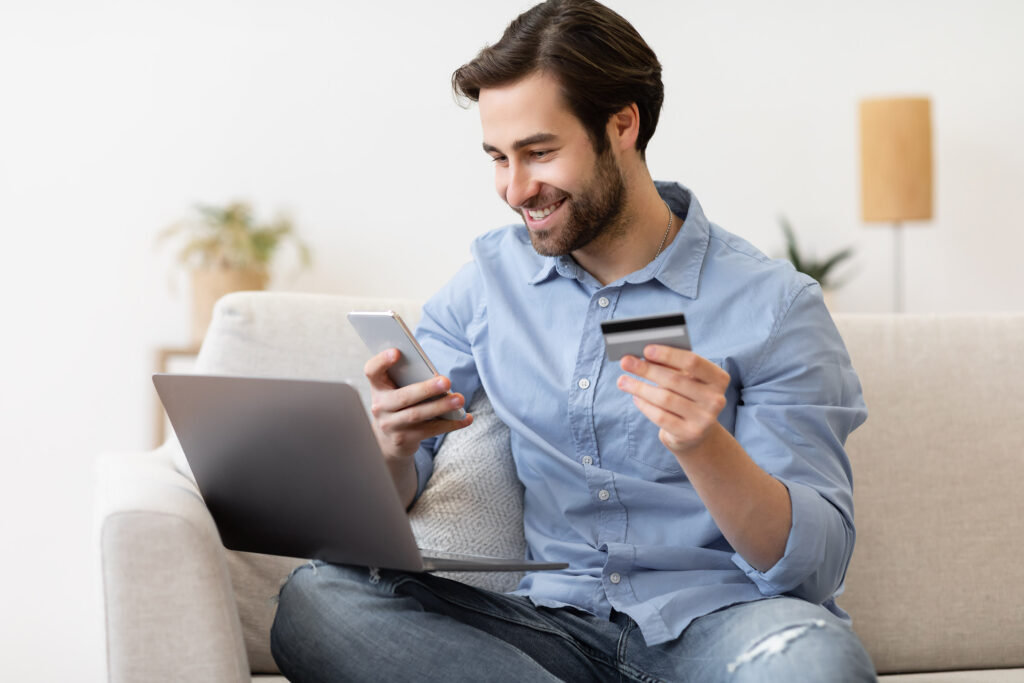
(385, 408)
(394, 400)
(691, 376)
(662, 362)
(679, 429)
(700, 404)
(404, 416)
(387, 396)
(376, 369)
(398, 436)
(685, 395)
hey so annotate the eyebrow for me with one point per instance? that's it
(525, 142)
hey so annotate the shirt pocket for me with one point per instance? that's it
(644, 446)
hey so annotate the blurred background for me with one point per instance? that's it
(117, 118)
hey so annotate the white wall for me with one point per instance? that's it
(116, 116)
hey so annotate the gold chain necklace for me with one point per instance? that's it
(667, 230)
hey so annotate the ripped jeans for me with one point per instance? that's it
(338, 623)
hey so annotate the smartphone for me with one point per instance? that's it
(382, 330)
(629, 336)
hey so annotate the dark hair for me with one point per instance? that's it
(599, 59)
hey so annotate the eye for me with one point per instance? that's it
(500, 160)
(540, 153)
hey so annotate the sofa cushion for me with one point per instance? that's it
(256, 580)
(936, 580)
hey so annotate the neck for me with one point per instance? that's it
(645, 225)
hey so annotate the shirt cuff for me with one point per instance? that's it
(805, 547)
(424, 462)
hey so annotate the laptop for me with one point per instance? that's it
(292, 467)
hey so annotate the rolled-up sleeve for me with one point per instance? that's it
(817, 551)
(797, 409)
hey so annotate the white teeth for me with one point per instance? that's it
(543, 213)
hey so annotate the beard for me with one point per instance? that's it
(595, 212)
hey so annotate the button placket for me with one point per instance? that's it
(586, 374)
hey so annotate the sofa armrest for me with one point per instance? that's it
(169, 608)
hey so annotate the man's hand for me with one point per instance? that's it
(688, 396)
(405, 416)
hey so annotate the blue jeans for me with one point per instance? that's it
(340, 623)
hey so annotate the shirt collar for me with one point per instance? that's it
(565, 266)
(551, 265)
(678, 267)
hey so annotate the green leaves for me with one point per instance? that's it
(230, 237)
(819, 270)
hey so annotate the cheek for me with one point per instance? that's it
(558, 176)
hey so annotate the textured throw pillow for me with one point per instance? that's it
(472, 504)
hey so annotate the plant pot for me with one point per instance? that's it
(210, 284)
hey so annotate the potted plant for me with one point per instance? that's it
(226, 250)
(820, 270)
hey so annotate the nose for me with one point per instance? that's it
(521, 185)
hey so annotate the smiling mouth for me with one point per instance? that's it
(541, 214)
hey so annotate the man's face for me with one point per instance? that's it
(546, 168)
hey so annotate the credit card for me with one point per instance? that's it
(629, 336)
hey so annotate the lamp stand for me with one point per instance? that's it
(897, 276)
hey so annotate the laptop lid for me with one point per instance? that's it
(292, 467)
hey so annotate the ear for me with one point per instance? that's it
(624, 128)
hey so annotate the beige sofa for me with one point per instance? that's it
(935, 589)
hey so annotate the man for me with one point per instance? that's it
(683, 489)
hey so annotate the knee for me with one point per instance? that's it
(820, 649)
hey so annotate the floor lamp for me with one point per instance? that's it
(896, 169)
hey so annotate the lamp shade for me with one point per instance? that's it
(896, 159)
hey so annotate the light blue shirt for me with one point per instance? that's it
(601, 491)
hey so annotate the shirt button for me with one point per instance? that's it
(584, 383)
(615, 577)
(603, 494)
(587, 460)
(603, 302)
